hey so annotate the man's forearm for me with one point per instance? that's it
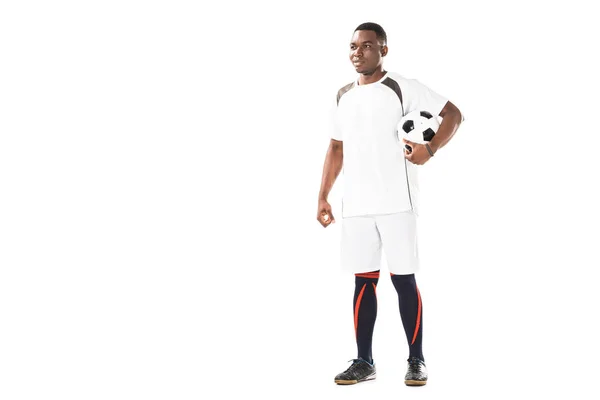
(331, 170)
(450, 123)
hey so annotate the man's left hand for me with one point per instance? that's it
(419, 154)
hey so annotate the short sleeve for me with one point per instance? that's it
(417, 96)
(334, 129)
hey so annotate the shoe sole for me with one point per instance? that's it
(415, 383)
(354, 381)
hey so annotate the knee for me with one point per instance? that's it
(365, 277)
(404, 281)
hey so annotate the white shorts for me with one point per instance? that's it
(363, 238)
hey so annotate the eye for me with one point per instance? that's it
(352, 47)
(368, 46)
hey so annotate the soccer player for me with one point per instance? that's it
(380, 196)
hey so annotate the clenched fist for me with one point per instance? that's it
(324, 214)
(417, 154)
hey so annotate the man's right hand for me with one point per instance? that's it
(324, 214)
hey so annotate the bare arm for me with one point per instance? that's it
(332, 167)
(452, 119)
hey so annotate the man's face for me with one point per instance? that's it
(366, 52)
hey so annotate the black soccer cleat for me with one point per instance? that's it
(416, 375)
(359, 371)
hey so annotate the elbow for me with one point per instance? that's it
(336, 146)
(451, 112)
(456, 117)
(459, 117)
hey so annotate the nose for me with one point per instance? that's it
(358, 53)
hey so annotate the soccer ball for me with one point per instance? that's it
(418, 126)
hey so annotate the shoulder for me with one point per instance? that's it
(394, 82)
(404, 81)
(396, 77)
(398, 83)
(409, 86)
(343, 90)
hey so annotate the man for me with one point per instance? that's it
(380, 204)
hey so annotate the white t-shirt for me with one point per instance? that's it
(377, 178)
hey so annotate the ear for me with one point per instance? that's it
(384, 51)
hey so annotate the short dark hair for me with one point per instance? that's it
(372, 26)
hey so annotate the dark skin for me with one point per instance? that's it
(366, 55)
(450, 123)
(333, 165)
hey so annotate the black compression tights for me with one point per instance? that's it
(365, 312)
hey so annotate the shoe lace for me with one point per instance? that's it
(355, 363)
(414, 363)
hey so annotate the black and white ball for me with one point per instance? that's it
(417, 126)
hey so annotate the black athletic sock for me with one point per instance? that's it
(411, 312)
(365, 312)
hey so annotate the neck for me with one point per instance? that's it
(365, 79)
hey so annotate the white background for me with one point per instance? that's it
(159, 170)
